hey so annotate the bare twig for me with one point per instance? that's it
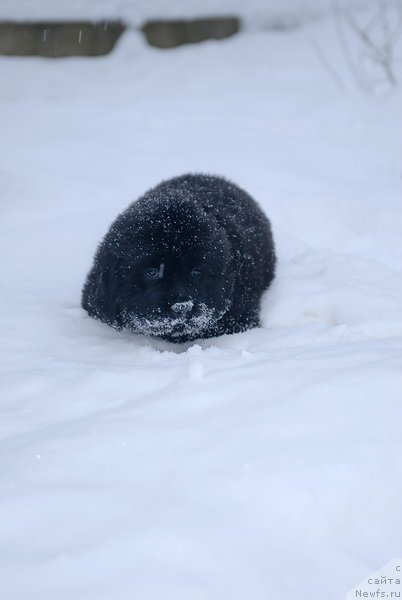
(345, 46)
(377, 39)
(380, 54)
(328, 66)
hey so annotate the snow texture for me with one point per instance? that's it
(176, 327)
(259, 465)
(186, 306)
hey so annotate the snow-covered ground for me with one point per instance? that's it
(260, 465)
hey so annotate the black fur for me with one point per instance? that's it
(189, 259)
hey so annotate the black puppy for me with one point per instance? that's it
(189, 259)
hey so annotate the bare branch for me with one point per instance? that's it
(326, 63)
(378, 51)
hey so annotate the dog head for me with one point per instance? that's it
(165, 270)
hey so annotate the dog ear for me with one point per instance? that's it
(100, 296)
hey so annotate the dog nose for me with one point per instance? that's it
(182, 308)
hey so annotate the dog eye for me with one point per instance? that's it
(152, 273)
(196, 273)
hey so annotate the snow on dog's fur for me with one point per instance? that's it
(189, 259)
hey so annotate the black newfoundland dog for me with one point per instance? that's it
(189, 259)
